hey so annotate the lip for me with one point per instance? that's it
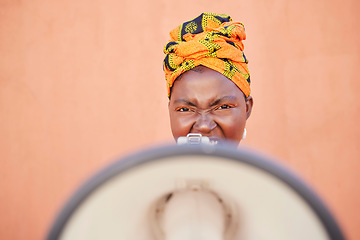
(213, 138)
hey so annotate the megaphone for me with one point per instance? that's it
(196, 191)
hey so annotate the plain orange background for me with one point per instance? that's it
(81, 84)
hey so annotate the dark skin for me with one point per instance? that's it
(205, 101)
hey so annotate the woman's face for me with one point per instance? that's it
(205, 101)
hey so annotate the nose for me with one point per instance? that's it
(204, 124)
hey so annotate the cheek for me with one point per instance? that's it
(180, 125)
(233, 125)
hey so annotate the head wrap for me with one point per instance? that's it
(210, 40)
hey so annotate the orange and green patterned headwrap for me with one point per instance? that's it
(210, 40)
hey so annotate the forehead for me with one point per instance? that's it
(203, 83)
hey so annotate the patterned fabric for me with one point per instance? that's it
(210, 40)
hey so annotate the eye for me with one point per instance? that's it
(183, 109)
(225, 106)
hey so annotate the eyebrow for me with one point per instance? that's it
(184, 101)
(215, 102)
(224, 98)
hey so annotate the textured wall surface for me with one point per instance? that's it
(81, 83)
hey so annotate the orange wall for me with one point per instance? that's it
(81, 83)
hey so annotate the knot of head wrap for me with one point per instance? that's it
(210, 40)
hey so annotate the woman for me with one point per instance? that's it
(208, 79)
(209, 94)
